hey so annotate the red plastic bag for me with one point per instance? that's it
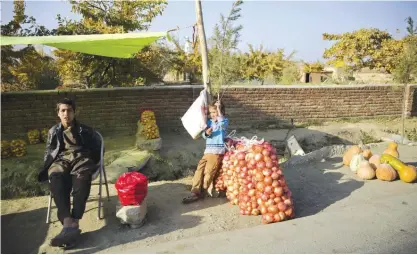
(132, 188)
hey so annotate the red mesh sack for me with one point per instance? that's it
(132, 188)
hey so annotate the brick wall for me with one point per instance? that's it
(117, 110)
(411, 100)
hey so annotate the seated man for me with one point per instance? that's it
(71, 157)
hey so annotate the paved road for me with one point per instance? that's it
(367, 217)
(385, 225)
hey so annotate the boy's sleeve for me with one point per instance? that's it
(223, 123)
(203, 134)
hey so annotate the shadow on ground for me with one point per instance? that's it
(23, 232)
(164, 216)
(316, 186)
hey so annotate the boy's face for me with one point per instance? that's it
(213, 113)
(66, 114)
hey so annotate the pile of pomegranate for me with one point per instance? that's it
(253, 180)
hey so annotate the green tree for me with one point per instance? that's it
(290, 74)
(410, 26)
(224, 62)
(107, 17)
(405, 70)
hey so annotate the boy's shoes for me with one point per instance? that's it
(191, 198)
(212, 192)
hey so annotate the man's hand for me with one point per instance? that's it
(209, 131)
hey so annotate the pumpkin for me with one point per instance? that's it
(347, 157)
(407, 173)
(375, 161)
(367, 154)
(357, 159)
(385, 172)
(365, 171)
(392, 150)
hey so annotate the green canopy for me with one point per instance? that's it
(108, 45)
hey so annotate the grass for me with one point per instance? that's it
(19, 174)
(368, 137)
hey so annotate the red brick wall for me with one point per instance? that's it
(411, 100)
(117, 110)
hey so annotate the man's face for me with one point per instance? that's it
(66, 114)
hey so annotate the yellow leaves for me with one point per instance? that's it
(313, 67)
(363, 48)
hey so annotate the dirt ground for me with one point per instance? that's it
(24, 229)
(23, 220)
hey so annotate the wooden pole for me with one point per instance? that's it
(203, 46)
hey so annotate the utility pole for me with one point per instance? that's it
(203, 47)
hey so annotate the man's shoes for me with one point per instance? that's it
(67, 237)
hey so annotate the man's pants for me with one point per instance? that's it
(207, 170)
(66, 175)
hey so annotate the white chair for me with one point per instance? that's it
(99, 172)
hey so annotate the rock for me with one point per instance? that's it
(150, 145)
(132, 159)
(134, 215)
(144, 144)
(396, 138)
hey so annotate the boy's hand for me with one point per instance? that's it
(218, 104)
(209, 131)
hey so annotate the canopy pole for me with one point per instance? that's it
(203, 48)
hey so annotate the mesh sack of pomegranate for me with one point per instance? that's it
(253, 180)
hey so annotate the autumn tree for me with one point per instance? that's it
(98, 17)
(25, 68)
(259, 64)
(313, 67)
(371, 48)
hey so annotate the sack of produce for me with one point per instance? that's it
(34, 136)
(6, 150)
(18, 147)
(254, 181)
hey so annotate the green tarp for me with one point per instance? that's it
(109, 45)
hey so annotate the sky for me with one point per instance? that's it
(292, 25)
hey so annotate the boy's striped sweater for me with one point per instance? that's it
(215, 141)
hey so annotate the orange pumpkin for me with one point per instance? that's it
(407, 173)
(375, 161)
(385, 172)
(347, 157)
(367, 154)
(392, 150)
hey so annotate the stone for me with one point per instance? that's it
(134, 215)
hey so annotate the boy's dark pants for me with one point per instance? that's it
(66, 175)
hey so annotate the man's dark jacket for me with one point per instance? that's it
(55, 144)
